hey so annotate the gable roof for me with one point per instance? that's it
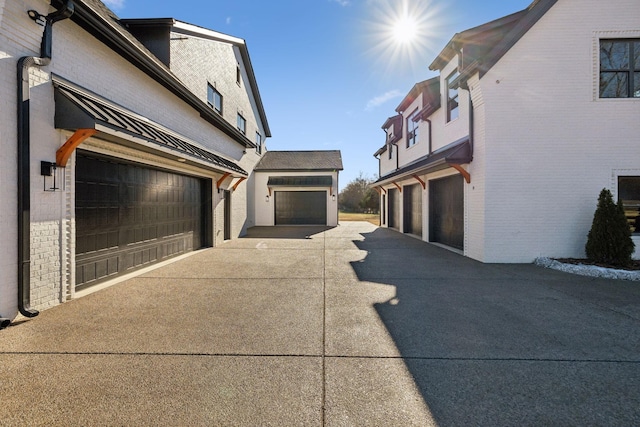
(486, 44)
(98, 20)
(173, 25)
(426, 88)
(329, 160)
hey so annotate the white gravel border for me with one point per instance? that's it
(587, 270)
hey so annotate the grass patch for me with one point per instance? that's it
(348, 216)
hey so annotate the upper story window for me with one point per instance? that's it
(238, 75)
(390, 150)
(214, 98)
(620, 68)
(452, 98)
(242, 124)
(258, 143)
(412, 129)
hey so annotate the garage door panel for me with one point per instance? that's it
(132, 218)
(446, 211)
(412, 197)
(300, 208)
(394, 209)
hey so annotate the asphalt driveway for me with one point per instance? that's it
(310, 326)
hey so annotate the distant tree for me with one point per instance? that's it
(357, 196)
(609, 240)
(371, 201)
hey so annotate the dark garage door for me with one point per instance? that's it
(412, 198)
(446, 211)
(130, 216)
(394, 209)
(301, 207)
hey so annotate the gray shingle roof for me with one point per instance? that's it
(300, 161)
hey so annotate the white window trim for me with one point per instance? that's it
(600, 35)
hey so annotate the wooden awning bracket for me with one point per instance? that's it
(377, 190)
(238, 183)
(424, 185)
(221, 180)
(399, 188)
(464, 173)
(64, 153)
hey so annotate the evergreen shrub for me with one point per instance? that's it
(609, 240)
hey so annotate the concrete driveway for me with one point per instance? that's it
(354, 325)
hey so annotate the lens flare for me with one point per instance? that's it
(405, 30)
(404, 34)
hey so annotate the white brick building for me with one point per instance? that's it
(503, 154)
(145, 165)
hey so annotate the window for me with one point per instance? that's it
(620, 68)
(390, 151)
(452, 98)
(238, 75)
(258, 143)
(629, 195)
(214, 99)
(242, 124)
(412, 129)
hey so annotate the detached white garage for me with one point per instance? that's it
(297, 188)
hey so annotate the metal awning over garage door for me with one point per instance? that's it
(301, 181)
(130, 216)
(87, 113)
(300, 208)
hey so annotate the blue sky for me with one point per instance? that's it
(329, 71)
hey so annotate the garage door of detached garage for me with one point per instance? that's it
(446, 211)
(130, 216)
(300, 208)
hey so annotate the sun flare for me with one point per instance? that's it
(402, 34)
(405, 30)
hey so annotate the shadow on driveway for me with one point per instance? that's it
(285, 232)
(492, 344)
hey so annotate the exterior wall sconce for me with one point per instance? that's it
(49, 169)
(333, 197)
(266, 199)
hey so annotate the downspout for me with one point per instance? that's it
(24, 132)
(430, 141)
(471, 123)
(397, 155)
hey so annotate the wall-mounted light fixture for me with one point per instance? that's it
(49, 169)
(333, 197)
(266, 198)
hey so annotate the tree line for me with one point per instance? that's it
(358, 197)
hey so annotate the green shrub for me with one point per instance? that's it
(609, 240)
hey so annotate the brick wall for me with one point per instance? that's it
(199, 62)
(80, 58)
(551, 144)
(19, 36)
